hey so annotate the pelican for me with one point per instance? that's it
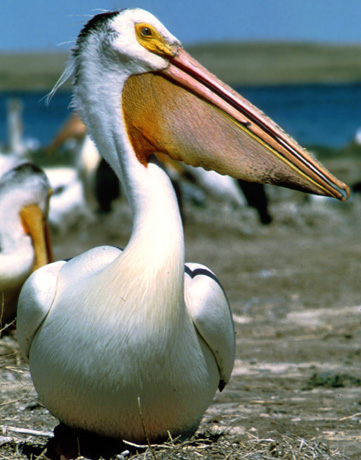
(16, 145)
(86, 156)
(15, 151)
(67, 204)
(133, 344)
(71, 184)
(24, 236)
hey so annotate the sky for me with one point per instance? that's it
(48, 25)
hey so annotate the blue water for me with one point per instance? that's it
(40, 122)
(327, 115)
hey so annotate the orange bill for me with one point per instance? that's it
(187, 113)
(36, 226)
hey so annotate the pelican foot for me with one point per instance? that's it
(69, 444)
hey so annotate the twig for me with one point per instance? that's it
(5, 439)
(42, 455)
(349, 416)
(14, 429)
(133, 444)
(145, 431)
(6, 325)
(2, 311)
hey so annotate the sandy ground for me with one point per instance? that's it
(295, 292)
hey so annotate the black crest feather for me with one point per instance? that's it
(96, 23)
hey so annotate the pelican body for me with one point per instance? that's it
(134, 344)
(24, 233)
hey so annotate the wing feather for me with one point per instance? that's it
(212, 317)
(35, 301)
(38, 292)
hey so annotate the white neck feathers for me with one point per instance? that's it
(155, 251)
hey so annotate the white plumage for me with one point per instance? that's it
(24, 196)
(67, 204)
(118, 333)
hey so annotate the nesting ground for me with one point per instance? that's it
(295, 292)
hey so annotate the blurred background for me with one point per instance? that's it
(298, 61)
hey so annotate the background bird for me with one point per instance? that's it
(24, 235)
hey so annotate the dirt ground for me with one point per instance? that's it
(295, 292)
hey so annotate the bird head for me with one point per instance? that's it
(169, 103)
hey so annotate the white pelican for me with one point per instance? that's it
(15, 150)
(72, 186)
(67, 203)
(86, 156)
(15, 128)
(24, 237)
(133, 344)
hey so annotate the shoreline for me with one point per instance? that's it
(238, 64)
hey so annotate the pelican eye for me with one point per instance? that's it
(149, 37)
(146, 32)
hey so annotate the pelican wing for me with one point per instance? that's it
(211, 314)
(39, 291)
(35, 301)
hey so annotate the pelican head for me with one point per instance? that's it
(24, 236)
(127, 61)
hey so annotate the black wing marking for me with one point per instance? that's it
(204, 272)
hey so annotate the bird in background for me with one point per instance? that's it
(24, 233)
